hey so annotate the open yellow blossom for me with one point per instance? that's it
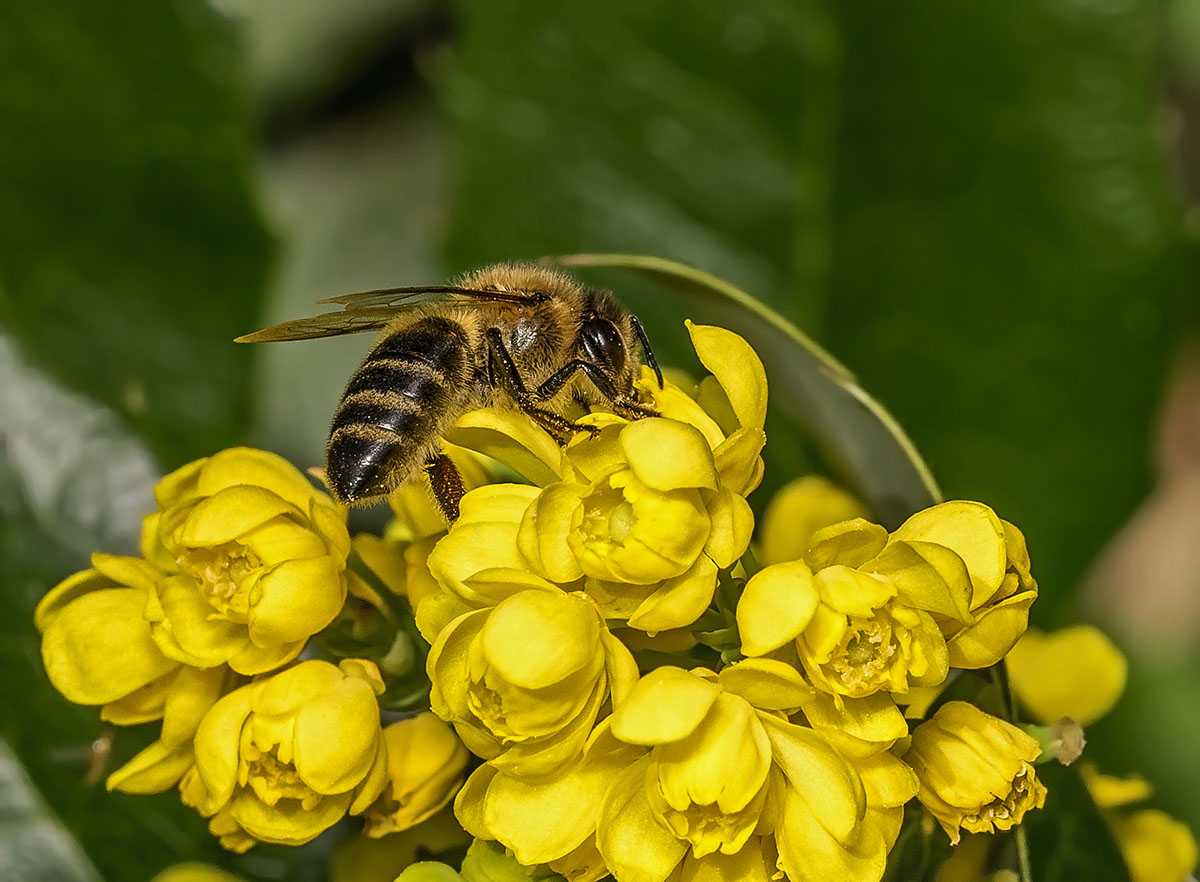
(425, 769)
(1074, 672)
(859, 615)
(284, 758)
(997, 560)
(976, 771)
(524, 682)
(640, 517)
(255, 558)
(729, 780)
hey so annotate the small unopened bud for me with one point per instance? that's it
(1062, 741)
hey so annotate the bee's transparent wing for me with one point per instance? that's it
(329, 324)
(371, 310)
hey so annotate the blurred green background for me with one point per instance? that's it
(985, 210)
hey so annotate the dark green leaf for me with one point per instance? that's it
(1069, 838)
(131, 252)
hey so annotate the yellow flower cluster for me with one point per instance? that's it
(645, 702)
(243, 562)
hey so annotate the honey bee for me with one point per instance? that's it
(526, 335)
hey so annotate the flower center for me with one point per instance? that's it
(488, 707)
(863, 661)
(273, 780)
(607, 517)
(221, 573)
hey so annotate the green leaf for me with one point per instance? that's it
(34, 846)
(864, 446)
(131, 250)
(1069, 838)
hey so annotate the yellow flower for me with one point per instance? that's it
(976, 771)
(548, 820)
(797, 512)
(284, 758)
(425, 769)
(997, 560)
(860, 620)
(255, 557)
(730, 787)
(1074, 672)
(639, 517)
(362, 859)
(1156, 847)
(97, 648)
(524, 681)
(96, 643)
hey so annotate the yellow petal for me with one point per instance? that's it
(766, 683)
(679, 601)
(847, 543)
(852, 592)
(1111, 791)
(192, 693)
(635, 847)
(739, 462)
(777, 604)
(1074, 672)
(288, 822)
(810, 852)
(873, 719)
(153, 770)
(536, 639)
(732, 525)
(259, 468)
(820, 776)
(471, 799)
(542, 537)
(217, 740)
(668, 455)
(996, 630)
(798, 511)
(510, 437)
(972, 531)
(737, 368)
(298, 599)
(98, 648)
(664, 706)
(1156, 846)
(927, 576)
(336, 737)
(231, 513)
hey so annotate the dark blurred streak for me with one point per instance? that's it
(391, 63)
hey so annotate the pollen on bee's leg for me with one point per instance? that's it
(447, 484)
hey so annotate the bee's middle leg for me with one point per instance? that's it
(558, 426)
(628, 407)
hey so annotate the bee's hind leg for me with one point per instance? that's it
(447, 484)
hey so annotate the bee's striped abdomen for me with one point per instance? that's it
(394, 407)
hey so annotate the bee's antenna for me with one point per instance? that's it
(651, 361)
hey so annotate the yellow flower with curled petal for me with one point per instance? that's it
(1074, 672)
(255, 559)
(425, 769)
(284, 758)
(524, 681)
(997, 560)
(859, 616)
(976, 771)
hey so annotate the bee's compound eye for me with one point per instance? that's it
(602, 343)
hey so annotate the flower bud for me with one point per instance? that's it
(425, 769)
(976, 771)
